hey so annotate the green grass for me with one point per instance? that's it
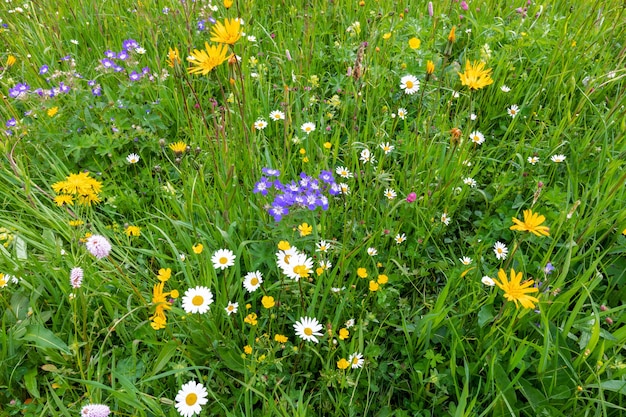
(435, 340)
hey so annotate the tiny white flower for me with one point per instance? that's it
(386, 147)
(409, 84)
(513, 110)
(260, 124)
(470, 181)
(372, 251)
(533, 160)
(400, 238)
(308, 127)
(445, 219)
(466, 260)
(402, 113)
(390, 194)
(133, 158)
(557, 158)
(477, 137)
(505, 88)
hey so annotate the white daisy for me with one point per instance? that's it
(400, 238)
(356, 360)
(533, 160)
(349, 323)
(308, 127)
(500, 250)
(307, 328)
(322, 246)
(505, 88)
(386, 147)
(197, 300)
(190, 399)
(477, 137)
(513, 110)
(260, 124)
(372, 251)
(277, 115)
(325, 265)
(231, 308)
(343, 172)
(300, 266)
(366, 156)
(223, 258)
(132, 158)
(283, 257)
(252, 281)
(344, 188)
(557, 158)
(488, 281)
(390, 194)
(466, 260)
(402, 113)
(445, 219)
(409, 84)
(470, 181)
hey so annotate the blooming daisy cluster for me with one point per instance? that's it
(306, 192)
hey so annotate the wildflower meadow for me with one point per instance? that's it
(312, 208)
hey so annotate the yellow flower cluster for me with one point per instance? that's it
(160, 301)
(79, 186)
(203, 61)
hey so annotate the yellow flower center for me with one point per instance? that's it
(308, 331)
(301, 270)
(409, 85)
(355, 360)
(197, 300)
(230, 308)
(191, 399)
(254, 281)
(223, 260)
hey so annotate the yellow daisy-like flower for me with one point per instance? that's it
(11, 60)
(247, 349)
(532, 223)
(132, 231)
(305, 229)
(251, 319)
(515, 290)
(76, 223)
(228, 32)
(430, 67)
(284, 245)
(197, 248)
(475, 76)
(382, 279)
(178, 147)
(173, 57)
(280, 338)
(52, 111)
(203, 61)
(361, 272)
(64, 199)
(374, 286)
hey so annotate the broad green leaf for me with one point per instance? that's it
(43, 338)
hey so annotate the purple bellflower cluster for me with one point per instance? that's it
(306, 192)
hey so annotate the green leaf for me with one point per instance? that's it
(485, 315)
(45, 339)
(30, 382)
(611, 385)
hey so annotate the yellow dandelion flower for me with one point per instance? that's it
(11, 61)
(382, 279)
(284, 245)
(173, 57)
(387, 35)
(374, 286)
(251, 319)
(228, 3)
(247, 349)
(452, 35)
(52, 111)
(361, 272)
(197, 248)
(532, 223)
(203, 61)
(280, 338)
(64, 199)
(515, 290)
(228, 32)
(178, 147)
(430, 67)
(475, 76)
